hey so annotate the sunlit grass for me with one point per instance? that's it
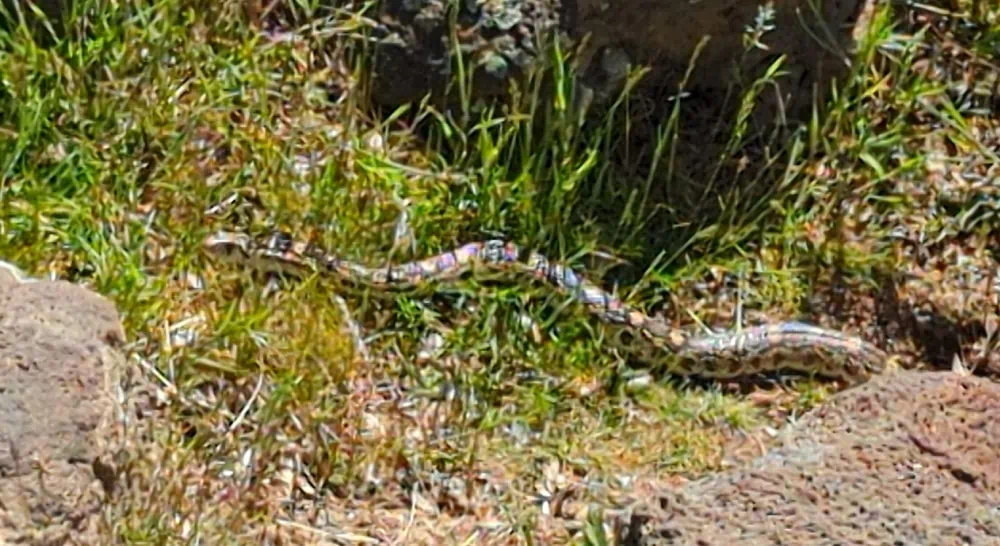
(116, 138)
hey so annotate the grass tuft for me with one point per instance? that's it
(487, 409)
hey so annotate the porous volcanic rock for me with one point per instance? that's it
(503, 38)
(418, 41)
(665, 35)
(908, 458)
(59, 358)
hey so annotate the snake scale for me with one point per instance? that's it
(792, 345)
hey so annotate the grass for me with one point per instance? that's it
(116, 137)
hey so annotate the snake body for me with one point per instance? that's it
(771, 347)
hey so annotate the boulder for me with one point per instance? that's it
(60, 357)
(907, 458)
(665, 35)
(503, 38)
(499, 41)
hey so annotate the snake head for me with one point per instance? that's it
(228, 246)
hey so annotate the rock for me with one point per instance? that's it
(59, 355)
(665, 35)
(908, 458)
(503, 38)
(498, 41)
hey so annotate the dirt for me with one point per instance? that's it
(59, 352)
(908, 458)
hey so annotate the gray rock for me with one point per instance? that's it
(498, 41)
(662, 35)
(908, 458)
(59, 355)
(665, 35)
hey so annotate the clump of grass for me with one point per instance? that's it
(116, 135)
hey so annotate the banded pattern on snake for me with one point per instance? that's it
(771, 347)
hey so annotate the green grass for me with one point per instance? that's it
(116, 137)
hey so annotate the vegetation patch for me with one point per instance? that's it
(485, 410)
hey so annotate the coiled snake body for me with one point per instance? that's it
(771, 347)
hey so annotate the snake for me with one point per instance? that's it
(773, 347)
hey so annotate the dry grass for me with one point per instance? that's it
(262, 418)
